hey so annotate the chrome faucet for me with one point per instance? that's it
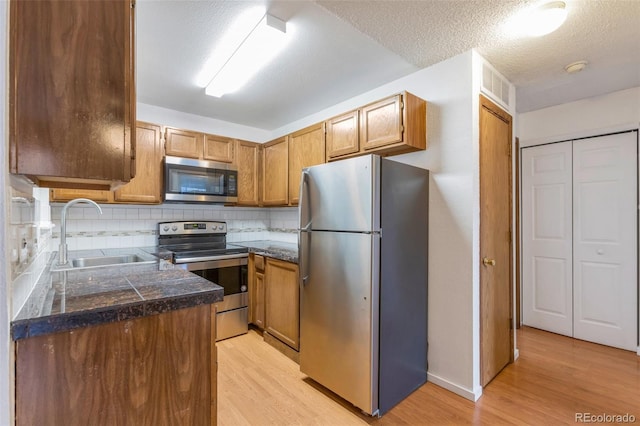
(62, 251)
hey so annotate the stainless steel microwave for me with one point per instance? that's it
(199, 181)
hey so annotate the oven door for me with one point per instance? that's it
(230, 274)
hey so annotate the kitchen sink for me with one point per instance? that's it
(100, 261)
(89, 262)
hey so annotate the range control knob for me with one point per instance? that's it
(166, 228)
(214, 227)
(221, 227)
(174, 228)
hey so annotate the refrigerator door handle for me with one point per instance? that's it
(303, 256)
(303, 209)
(304, 229)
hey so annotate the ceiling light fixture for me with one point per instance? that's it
(549, 17)
(262, 44)
(575, 67)
(539, 21)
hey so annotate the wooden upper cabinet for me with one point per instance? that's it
(189, 144)
(146, 187)
(342, 135)
(71, 92)
(381, 123)
(247, 161)
(306, 148)
(183, 143)
(218, 148)
(66, 194)
(394, 125)
(275, 172)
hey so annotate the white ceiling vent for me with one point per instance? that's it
(495, 86)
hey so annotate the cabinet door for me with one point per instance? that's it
(282, 301)
(342, 135)
(247, 161)
(256, 290)
(146, 187)
(218, 148)
(71, 113)
(306, 148)
(183, 143)
(275, 172)
(67, 378)
(66, 194)
(381, 123)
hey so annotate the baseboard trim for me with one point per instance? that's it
(638, 352)
(457, 389)
(292, 354)
(516, 354)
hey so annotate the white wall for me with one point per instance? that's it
(183, 120)
(6, 393)
(584, 117)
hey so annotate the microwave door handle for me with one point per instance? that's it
(304, 233)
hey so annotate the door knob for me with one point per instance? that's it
(488, 262)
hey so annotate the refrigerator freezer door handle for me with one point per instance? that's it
(303, 212)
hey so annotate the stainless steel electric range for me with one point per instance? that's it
(201, 248)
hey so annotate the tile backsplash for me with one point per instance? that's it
(29, 241)
(136, 225)
(34, 230)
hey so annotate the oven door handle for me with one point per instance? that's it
(211, 258)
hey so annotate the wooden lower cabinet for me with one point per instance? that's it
(144, 371)
(256, 290)
(282, 301)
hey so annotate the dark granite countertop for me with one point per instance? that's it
(64, 300)
(275, 249)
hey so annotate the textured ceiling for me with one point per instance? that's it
(327, 61)
(343, 48)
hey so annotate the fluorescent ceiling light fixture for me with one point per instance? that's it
(539, 21)
(262, 44)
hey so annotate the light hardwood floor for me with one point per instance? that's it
(554, 378)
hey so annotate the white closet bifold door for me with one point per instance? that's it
(605, 234)
(547, 237)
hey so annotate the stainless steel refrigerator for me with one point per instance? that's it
(363, 279)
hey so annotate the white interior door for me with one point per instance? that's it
(547, 237)
(605, 240)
